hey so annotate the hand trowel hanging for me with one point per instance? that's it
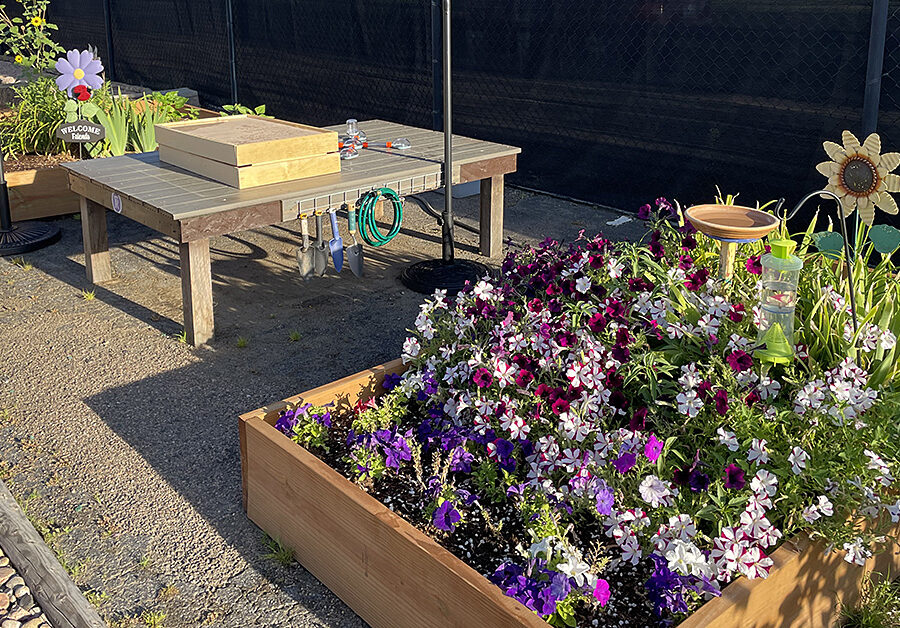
(305, 254)
(79, 73)
(336, 244)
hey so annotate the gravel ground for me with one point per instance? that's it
(121, 442)
(17, 606)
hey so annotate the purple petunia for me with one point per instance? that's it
(601, 591)
(697, 280)
(734, 477)
(391, 381)
(643, 212)
(721, 400)
(446, 517)
(625, 462)
(605, 500)
(653, 448)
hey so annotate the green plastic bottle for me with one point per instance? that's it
(778, 300)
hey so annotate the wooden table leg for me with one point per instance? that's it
(96, 243)
(196, 291)
(492, 216)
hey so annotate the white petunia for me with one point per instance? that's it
(688, 403)
(764, 483)
(728, 439)
(758, 453)
(583, 284)
(798, 459)
(411, 348)
(654, 491)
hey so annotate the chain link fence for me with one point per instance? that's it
(615, 102)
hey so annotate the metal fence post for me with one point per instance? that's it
(110, 57)
(437, 86)
(229, 21)
(874, 66)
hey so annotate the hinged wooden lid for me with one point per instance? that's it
(245, 140)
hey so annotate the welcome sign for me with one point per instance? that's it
(81, 131)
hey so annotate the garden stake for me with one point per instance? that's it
(320, 258)
(305, 254)
(355, 252)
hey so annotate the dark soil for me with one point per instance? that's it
(34, 162)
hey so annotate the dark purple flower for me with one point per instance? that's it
(685, 262)
(721, 399)
(625, 462)
(653, 448)
(754, 265)
(638, 420)
(657, 249)
(446, 517)
(461, 461)
(391, 381)
(739, 360)
(523, 378)
(704, 390)
(698, 481)
(483, 378)
(734, 477)
(688, 243)
(643, 212)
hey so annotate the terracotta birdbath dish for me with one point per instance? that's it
(731, 224)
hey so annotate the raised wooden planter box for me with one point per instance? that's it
(394, 576)
(45, 193)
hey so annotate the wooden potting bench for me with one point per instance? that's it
(192, 209)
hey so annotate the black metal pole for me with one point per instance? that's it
(110, 56)
(437, 103)
(874, 66)
(447, 231)
(232, 57)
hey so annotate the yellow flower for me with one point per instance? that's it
(37, 21)
(861, 175)
(19, 59)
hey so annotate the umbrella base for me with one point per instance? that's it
(23, 237)
(435, 274)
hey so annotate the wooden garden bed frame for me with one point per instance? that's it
(394, 576)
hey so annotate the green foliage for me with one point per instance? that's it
(242, 342)
(142, 129)
(115, 118)
(488, 481)
(309, 432)
(153, 619)
(31, 128)
(238, 109)
(879, 606)
(26, 35)
(278, 551)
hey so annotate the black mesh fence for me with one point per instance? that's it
(614, 101)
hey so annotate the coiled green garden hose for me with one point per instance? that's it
(368, 229)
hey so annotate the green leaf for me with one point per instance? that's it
(89, 110)
(885, 238)
(70, 105)
(71, 116)
(829, 243)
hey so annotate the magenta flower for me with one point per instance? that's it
(737, 312)
(739, 360)
(483, 378)
(560, 406)
(601, 591)
(653, 448)
(78, 68)
(734, 477)
(685, 262)
(721, 399)
(696, 280)
(643, 212)
(625, 462)
(754, 265)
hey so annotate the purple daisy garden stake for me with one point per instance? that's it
(78, 68)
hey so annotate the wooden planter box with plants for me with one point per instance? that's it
(604, 436)
(28, 130)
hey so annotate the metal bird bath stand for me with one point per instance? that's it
(447, 273)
